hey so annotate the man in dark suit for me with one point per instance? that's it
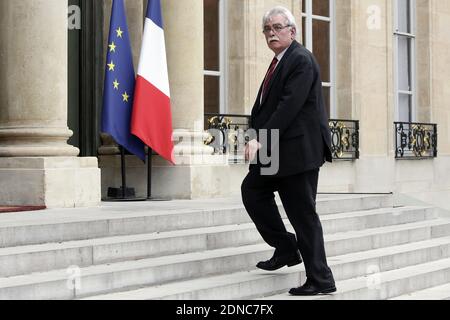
(289, 103)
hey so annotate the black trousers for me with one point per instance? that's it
(298, 195)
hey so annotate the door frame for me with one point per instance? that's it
(90, 77)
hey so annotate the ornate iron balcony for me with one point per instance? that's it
(415, 140)
(228, 136)
(344, 139)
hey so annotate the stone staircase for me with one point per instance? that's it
(208, 250)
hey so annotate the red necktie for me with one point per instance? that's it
(269, 76)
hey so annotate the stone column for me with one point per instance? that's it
(423, 58)
(33, 64)
(344, 80)
(440, 62)
(366, 89)
(37, 166)
(183, 26)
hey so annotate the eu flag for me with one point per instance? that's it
(119, 84)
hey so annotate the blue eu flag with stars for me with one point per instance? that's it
(119, 84)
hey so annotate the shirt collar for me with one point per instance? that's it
(280, 56)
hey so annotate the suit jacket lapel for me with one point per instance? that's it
(275, 74)
(277, 71)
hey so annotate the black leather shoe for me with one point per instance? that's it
(310, 289)
(276, 263)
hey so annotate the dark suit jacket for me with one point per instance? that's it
(295, 106)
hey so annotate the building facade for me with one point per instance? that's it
(383, 66)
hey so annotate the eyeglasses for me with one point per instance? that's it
(276, 28)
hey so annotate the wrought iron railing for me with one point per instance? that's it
(416, 140)
(228, 136)
(344, 139)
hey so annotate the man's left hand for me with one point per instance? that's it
(251, 149)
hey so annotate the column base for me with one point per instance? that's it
(36, 142)
(54, 182)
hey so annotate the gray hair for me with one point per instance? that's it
(279, 10)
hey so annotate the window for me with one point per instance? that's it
(214, 54)
(404, 35)
(318, 34)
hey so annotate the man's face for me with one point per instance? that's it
(278, 35)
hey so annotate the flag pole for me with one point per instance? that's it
(123, 193)
(124, 176)
(149, 174)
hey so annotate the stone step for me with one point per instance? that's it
(368, 219)
(434, 293)
(154, 271)
(122, 219)
(45, 257)
(389, 284)
(257, 283)
(362, 240)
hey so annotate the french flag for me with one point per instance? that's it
(151, 119)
